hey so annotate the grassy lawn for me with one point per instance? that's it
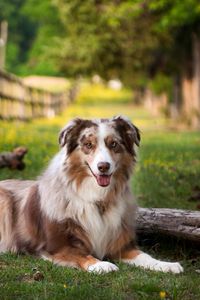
(167, 175)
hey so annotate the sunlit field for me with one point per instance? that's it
(167, 175)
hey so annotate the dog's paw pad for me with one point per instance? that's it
(102, 267)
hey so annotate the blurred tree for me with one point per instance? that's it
(21, 33)
(43, 55)
(134, 40)
(181, 58)
(104, 37)
(178, 20)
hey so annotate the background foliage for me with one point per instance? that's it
(133, 40)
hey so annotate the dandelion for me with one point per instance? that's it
(162, 294)
(65, 286)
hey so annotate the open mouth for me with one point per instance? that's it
(102, 180)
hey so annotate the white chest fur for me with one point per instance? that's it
(102, 229)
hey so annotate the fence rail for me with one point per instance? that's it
(22, 102)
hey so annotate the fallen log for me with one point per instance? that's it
(175, 222)
(14, 159)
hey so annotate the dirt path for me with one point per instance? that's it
(98, 101)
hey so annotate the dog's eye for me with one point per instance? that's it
(113, 144)
(89, 145)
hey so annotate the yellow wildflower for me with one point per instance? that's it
(163, 294)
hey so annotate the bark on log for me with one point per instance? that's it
(180, 223)
(14, 159)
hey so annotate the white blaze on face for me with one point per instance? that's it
(102, 155)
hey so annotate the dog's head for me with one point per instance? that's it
(98, 147)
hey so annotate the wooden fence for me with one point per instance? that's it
(21, 102)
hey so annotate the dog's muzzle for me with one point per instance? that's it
(103, 178)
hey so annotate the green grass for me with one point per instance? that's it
(166, 175)
(60, 283)
(168, 171)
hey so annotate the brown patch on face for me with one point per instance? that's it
(77, 171)
(88, 143)
(129, 134)
(70, 134)
(113, 144)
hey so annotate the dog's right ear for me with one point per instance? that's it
(65, 132)
(70, 133)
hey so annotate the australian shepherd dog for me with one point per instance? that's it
(80, 212)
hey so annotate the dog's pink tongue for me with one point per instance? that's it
(103, 180)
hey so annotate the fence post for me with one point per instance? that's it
(3, 42)
(20, 101)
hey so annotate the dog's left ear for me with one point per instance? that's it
(129, 133)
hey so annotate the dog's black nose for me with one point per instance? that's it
(103, 166)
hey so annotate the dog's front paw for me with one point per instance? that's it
(167, 267)
(102, 267)
(147, 262)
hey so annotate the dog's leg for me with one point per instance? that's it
(101, 267)
(87, 263)
(140, 259)
(7, 241)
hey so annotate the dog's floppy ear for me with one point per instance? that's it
(65, 132)
(129, 133)
(70, 133)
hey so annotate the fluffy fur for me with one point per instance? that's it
(81, 209)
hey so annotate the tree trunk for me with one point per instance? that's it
(180, 223)
(175, 107)
(196, 81)
(3, 41)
